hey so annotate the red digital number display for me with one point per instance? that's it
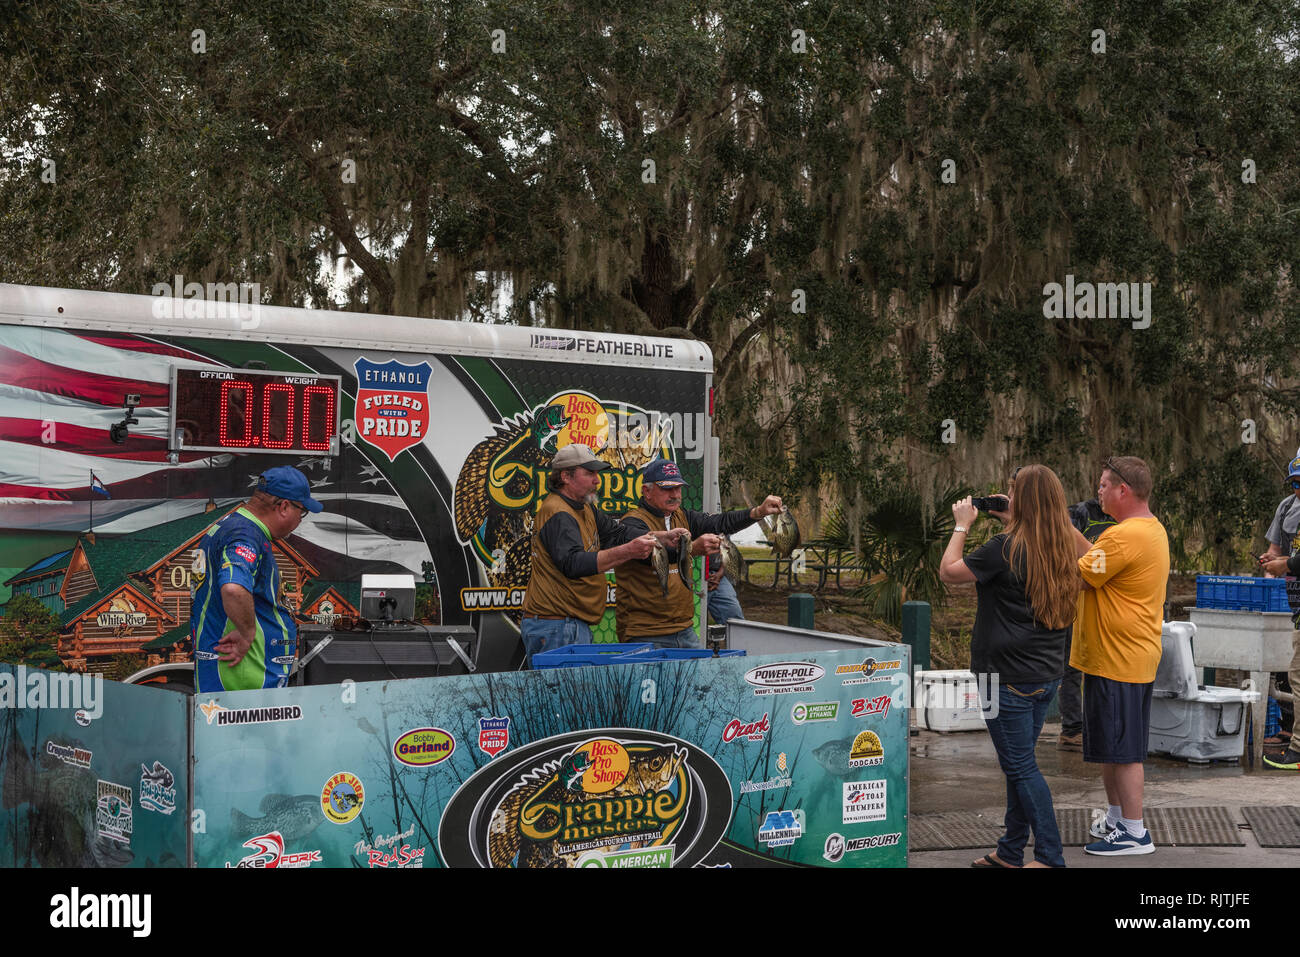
(245, 410)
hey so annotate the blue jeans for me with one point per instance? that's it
(723, 603)
(544, 634)
(686, 638)
(1021, 711)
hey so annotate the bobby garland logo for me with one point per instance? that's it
(49, 689)
(77, 910)
(836, 846)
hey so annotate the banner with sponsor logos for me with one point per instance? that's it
(765, 761)
(93, 773)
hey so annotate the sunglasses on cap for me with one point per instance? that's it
(1110, 466)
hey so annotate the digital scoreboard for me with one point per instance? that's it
(248, 410)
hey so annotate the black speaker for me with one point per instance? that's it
(387, 653)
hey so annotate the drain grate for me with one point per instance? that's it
(1274, 826)
(952, 830)
(1170, 826)
(1193, 827)
(1073, 823)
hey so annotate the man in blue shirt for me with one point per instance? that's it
(243, 637)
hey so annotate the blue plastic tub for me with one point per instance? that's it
(1241, 593)
(680, 654)
(581, 656)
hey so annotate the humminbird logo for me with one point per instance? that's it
(223, 715)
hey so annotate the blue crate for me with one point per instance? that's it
(680, 654)
(1241, 593)
(583, 655)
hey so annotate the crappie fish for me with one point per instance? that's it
(61, 828)
(294, 816)
(659, 562)
(733, 563)
(685, 564)
(783, 533)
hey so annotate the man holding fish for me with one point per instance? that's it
(656, 600)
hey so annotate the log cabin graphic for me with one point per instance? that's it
(131, 594)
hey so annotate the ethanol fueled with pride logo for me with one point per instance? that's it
(557, 802)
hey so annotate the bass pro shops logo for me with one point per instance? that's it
(392, 404)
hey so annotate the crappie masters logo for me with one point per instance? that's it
(505, 479)
(559, 801)
(392, 411)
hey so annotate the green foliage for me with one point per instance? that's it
(901, 543)
(29, 633)
(517, 176)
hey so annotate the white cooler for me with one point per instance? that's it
(1199, 723)
(947, 701)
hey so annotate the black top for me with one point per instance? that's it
(700, 523)
(1007, 640)
(563, 540)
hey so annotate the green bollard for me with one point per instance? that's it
(916, 633)
(799, 611)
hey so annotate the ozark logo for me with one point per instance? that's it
(555, 802)
(504, 479)
(392, 404)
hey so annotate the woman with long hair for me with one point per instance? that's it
(1027, 584)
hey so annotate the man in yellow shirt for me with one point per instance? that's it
(1117, 646)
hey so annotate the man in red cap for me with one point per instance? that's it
(644, 614)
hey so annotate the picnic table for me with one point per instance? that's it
(820, 556)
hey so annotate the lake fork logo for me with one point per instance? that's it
(555, 802)
(392, 404)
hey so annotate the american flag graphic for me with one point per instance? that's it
(60, 394)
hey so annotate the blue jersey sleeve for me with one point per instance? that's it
(238, 564)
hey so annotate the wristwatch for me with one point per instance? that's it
(959, 528)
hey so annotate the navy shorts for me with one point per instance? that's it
(1116, 720)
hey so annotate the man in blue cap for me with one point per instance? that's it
(243, 637)
(644, 612)
(1283, 558)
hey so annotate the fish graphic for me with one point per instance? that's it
(294, 816)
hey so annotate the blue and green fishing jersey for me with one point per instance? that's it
(237, 550)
